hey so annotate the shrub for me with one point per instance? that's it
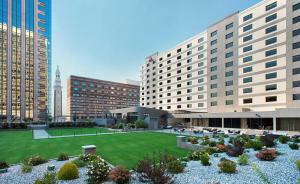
(294, 146)
(296, 140)
(298, 164)
(211, 150)
(48, 178)
(212, 144)
(235, 150)
(267, 141)
(227, 166)
(241, 138)
(88, 158)
(26, 168)
(205, 140)
(34, 160)
(120, 175)
(194, 155)
(221, 141)
(193, 140)
(141, 124)
(255, 144)
(3, 165)
(283, 139)
(243, 159)
(62, 157)
(175, 167)
(98, 171)
(266, 154)
(79, 163)
(204, 158)
(221, 147)
(149, 171)
(68, 171)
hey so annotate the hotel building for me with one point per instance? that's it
(93, 98)
(241, 72)
(25, 60)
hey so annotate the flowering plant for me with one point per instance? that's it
(98, 171)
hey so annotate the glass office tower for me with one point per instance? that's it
(25, 59)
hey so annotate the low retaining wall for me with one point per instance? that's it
(183, 143)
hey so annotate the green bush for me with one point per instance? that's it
(34, 160)
(175, 167)
(68, 171)
(204, 158)
(255, 144)
(3, 165)
(98, 171)
(243, 159)
(79, 163)
(211, 150)
(48, 178)
(296, 140)
(212, 144)
(141, 124)
(298, 164)
(283, 139)
(227, 166)
(26, 168)
(194, 155)
(294, 146)
(63, 157)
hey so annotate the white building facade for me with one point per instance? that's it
(57, 96)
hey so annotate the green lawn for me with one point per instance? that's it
(76, 131)
(118, 149)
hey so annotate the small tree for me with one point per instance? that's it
(140, 124)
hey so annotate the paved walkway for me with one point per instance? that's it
(40, 134)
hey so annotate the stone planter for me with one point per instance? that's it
(89, 149)
(3, 170)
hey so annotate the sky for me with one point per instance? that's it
(110, 39)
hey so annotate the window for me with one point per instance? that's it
(178, 57)
(188, 75)
(247, 28)
(178, 99)
(296, 96)
(247, 101)
(169, 61)
(271, 99)
(200, 88)
(296, 32)
(296, 20)
(189, 68)
(178, 64)
(200, 56)
(214, 68)
(296, 71)
(200, 96)
(200, 40)
(229, 64)
(271, 87)
(271, 52)
(189, 60)
(271, 29)
(296, 84)
(189, 45)
(214, 51)
(200, 104)
(247, 49)
(247, 80)
(228, 45)
(200, 64)
(213, 95)
(169, 55)
(296, 6)
(271, 41)
(178, 106)
(213, 77)
(229, 93)
(271, 75)
(200, 48)
(214, 103)
(296, 58)
(271, 17)
(247, 59)
(247, 90)
(178, 50)
(228, 26)
(189, 53)
(247, 17)
(229, 83)
(212, 60)
(296, 45)
(229, 35)
(200, 72)
(271, 64)
(213, 33)
(214, 42)
(271, 6)
(213, 86)
(229, 102)
(189, 90)
(247, 69)
(200, 80)
(229, 54)
(229, 74)
(247, 38)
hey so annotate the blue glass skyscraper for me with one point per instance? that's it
(25, 60)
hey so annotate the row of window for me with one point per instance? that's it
(267, 99)
(267, 8)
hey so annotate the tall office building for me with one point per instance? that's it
(247, 62)
(57, 96)
(25, 59)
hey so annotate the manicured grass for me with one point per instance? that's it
(118, 149)
(76, 131)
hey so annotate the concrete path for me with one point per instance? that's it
(40, 134)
